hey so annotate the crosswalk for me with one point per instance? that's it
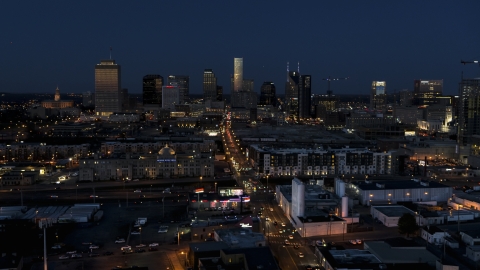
(283, 243)
(277, 235)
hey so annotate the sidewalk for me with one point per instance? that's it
(177, 265)
(175, 261)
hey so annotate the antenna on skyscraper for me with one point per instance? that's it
(298, 67)
(288, 69)
(110, 52)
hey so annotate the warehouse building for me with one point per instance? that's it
(386, 192)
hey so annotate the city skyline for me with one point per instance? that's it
(393, 42)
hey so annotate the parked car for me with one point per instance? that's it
(153, 245)
(77, 255)
(353, 242)
(119, 241)
(137, 191)
(56, 247)
(140, 245)
(359, 241)
(301, 255)
(64, 257)
(94, 247)
(290, 237)
(71, 252)
(135, 232)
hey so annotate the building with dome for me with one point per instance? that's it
(57, 103)
(165, 164)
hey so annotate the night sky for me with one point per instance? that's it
(48, 43)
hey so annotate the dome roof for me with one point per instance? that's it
(166, 151)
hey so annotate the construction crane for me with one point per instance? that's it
(469, 62)
(329, 79)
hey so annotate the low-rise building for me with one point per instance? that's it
(389, 215)
(240, 238)
(370, 192)
(473, 253)
(471, 237)
(434, 235)
(166, 164)
(399, 250)
(18, 178)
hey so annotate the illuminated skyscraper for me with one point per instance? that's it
(291, 92)
(238, 74)
(183, 83)
(426, 91)
(107, 88)
(378, 96)
(237, 82)
(209, 85)
(152, 89)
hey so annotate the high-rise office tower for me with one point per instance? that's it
(237, 82)
(469, 110)
(291, 86)
(426, 91)
(170, 96)
(209, 85)
(107, 88)
(305, 96)
(152, 89)
(219, 93)
(183, 83)
(291, 92)
(378, 96)
(268, 94)
(238, 74)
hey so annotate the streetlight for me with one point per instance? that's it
(215, 187)
(186, 260)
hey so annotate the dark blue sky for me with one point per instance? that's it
(45, 43)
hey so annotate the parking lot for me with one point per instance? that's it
(118, 223)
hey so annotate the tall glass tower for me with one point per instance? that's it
(378, 96)
(152, 89)
(305, 96)
(209, 85)
(183, 83)
(108, 98)
(267, 94)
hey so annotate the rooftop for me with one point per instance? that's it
(394, 210)
(319, 218)
(382, 185)
(432, 229)
(240, 237)
(207, 246)
(403, 253)
(256, 258)
(353, 256)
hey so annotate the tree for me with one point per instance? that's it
(407, 224)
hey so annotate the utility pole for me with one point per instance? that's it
(43, 224)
